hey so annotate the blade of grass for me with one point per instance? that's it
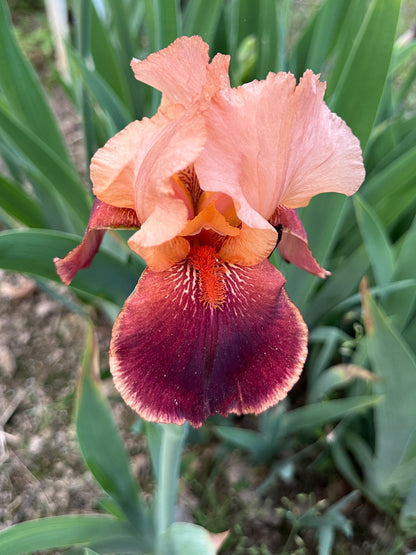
(305, 46)
(359, 89)
(249, 440)
(390, 140)
(66, 531)
(395, 418)
(100, 441)
(232, 11)
(201, 18)
(318, 414)
(102, 94)
(20, 87)
(163, 22)
(267, 37)
(340, 285)
(387, 201)
(19, 204)
(106, 62)
(400, 304)
(348, 469)
(42, 157)
(376, 242)
(82, 10)
(126, 21)
(327, 27)
(283, 15)
(351, 19)
(379, 291)
(8, 155)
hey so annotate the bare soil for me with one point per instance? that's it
(40, 346)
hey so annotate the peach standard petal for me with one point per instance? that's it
(115, 166)
(162, 211)
(181, 71)
(242, 136)
(277, 144)
(322, 153)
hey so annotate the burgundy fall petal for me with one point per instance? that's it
(174, 357)
(293, 245)
(103, 216)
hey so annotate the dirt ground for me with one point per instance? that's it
(40, 345)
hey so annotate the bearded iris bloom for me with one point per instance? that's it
(210, 184)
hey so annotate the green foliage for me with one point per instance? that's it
(390, 469)
(35, 39)
(183, 538)
(377, 244)
(21, 91)
(306, 512)
(100, 443)
(278, 428)
(108, 534)
(31, 143)
(33, 251)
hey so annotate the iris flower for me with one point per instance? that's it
(210, 184)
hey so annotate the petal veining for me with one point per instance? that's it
(175, 357)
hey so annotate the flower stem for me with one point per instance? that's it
(172, 442)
